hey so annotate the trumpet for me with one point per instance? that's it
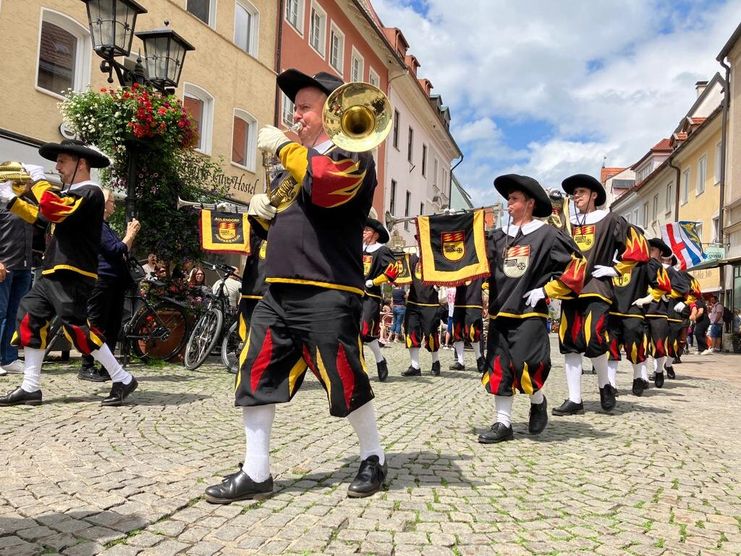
(14, 171)
(207, 206)
(392, 220)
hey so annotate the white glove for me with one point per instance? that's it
(6, 191)
(601, 271)
(369, 283)
(36, 172)
(260, 207)
(269, 138)
(533, 296)
(679, 306)
(641, 301)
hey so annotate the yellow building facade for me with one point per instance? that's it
(228, 82)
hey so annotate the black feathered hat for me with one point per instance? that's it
(514, 182)
(74, 147)
(292, 81)
(380, 229)
(584, 180)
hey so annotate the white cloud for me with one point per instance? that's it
(608, 78)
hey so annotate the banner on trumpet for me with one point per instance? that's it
(452, 247)
(404, 275)
(225, 232)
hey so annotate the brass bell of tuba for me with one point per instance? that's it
(357, 117)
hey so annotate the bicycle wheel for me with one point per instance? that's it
(231, 347)
(159, 336)
(203, 338)
(55, 332)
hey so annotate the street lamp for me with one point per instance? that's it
(112, 24)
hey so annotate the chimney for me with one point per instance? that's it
(426, 85)
(412, 63)
(700, 87)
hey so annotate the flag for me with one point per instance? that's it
(404, 275)
(685, 242)
(225, 232)
(452, 247)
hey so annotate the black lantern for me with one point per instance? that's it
(164, 54)
(112, 24)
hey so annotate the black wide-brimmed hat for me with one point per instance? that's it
(380, 229)
(514, 182)
(74, 147)
(584, 180)
(659, 244)
(292, 81)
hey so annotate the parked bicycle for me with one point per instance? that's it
(218, 316)
(231, 347)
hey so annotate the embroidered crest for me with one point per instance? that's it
(367, 261)
(584, 237)
(623, 280)
(453, 245)
(418, 271)
(227, 230)
(516, 261)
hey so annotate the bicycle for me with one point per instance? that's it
(231, 347)
(210, 325)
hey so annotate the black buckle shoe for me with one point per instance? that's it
(411, 371)
(93, 374)
(369, 479)
(20, 397)
(481, 364)
(538, 417)
(568, 408)
(119, 392)
(238, 486)
(457, 367)
(607, 397)
(659, 380)
(382, 369)
(435, 370)
(670, 372)
(639, 386)
(497, 433)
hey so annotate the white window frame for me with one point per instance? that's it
(321, 48)
(300, 8)
(435, 166)
(207, 125)
(702, 174)
(718, 162)
(355, 56)
(716, 224)
(335, 31)
(684, 191)
(373, 78)
(287, 108)
(82, 52)
(655, 208)
(699, 229)
(423, 162)
(669, 196)
(211, 13)
(254, 26)
(251, 141)
(645, 215)
(635, 217)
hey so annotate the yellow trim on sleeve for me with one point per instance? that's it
(24, 210)
(295, 159)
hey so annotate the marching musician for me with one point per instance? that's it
(529, 262)
(379, 267)
(253, 282)
(678, 313)
(309, 317)
(69, 269)
(468, 323)
(583, 324)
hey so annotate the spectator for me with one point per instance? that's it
(715, 331)
(700, 317)
(197, 288)
(387, 319)
(150, 267)
(399, 297)
(232, 287)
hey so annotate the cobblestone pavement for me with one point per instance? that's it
(658, 476)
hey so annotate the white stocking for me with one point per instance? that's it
(32, 369)
(459, 351)
(363, 420)
(376, 349)
(258, 422)
(572, 366)
(503, 405)
(600, 365)
(414, 355)
(612, 367)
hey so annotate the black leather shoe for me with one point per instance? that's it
(670, 372)
(568, 408)
(607, 397)
(659, 380)
(457, 367)
(538, 417)
(238, 486)
(411, 371)
(20, 397)
(677, 359)
(497, 433)
(369, 479)
(119, 392)
(639, 386)
(382, 369)
(435, 370)
(93, 374)
(481, 364)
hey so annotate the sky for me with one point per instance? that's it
(552, 88)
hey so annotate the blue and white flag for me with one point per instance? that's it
(685, 242)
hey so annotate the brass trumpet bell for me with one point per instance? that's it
(13, 171)
(357, 117)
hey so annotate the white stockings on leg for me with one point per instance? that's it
(376, 349)
(414, 356)
(363, 421)
(459, 351)
(476, 349)
(503, 405)
(105, 357)
(32, 369)
(572, 366)
(612, 367)
(258, 422)
(600, 365)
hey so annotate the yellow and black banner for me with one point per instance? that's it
(404, 275)
(452, 247)
(225, 232)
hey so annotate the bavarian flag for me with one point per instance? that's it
(452, 247)
(404, 275)
(225, 232)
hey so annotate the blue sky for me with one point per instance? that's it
(549, 89)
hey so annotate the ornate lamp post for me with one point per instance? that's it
(112, 24)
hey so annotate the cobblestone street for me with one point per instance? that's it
(658, 476)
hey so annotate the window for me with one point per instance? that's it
(356, 66)
(410, 145)
(392, 201)
(318, 29)
(205, 10)
(434, 173)
(645, 215)
(424, 159)
(716, 229)
(286, 110)
(716, 166)
(373, 78)
(200, 105)
(243, 140)
(698, 229)
(702, 169)
(246, 25)
(64, 54)
(337, 49)
(669, 196)
(684, 192)
(396, 129)
(295, 14)
(421, 208)
(655, 211)
(407, 207)
(635, 218)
